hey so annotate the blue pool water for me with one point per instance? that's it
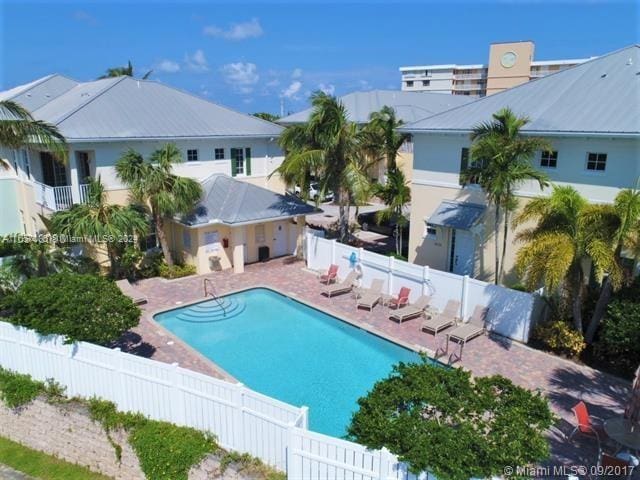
(289, 351)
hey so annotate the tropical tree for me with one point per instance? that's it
(381, 138)
(39, 259)
(126, 71)
(19, 129)
(626, 207)
(154, 185)
(100, 222)
(568, 235)
(396, 195)
(501, 160)
(269, 117)
(328, 145)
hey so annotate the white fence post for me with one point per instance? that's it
(425, 281)
(290, 467)
(177, 394)
(390, 276)
(118, 361)
(465, 296)
(305, 418)
(386, 460)
(238, 421)
(68, 359)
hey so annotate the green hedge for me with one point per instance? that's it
(80, 307)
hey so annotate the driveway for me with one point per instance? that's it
(330, 211)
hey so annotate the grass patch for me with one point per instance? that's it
(41, 465)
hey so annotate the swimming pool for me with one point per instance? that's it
(289, 351)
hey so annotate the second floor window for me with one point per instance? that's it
(426, 83)
(596, 162)
(549, 159)
(192, 155)
(410, 83)
(219, 153)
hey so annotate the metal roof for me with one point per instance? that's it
(459, 215)
(409, 106)
(600, 96)
(230, 201)
(127, 108)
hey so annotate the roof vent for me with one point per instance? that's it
(630, 61)
(84, 94)
(603, 75)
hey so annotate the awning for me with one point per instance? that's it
(459, 215)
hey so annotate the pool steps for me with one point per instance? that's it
(223, 308)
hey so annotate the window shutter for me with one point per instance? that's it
(464, 161)
(247, 161)
(234, 170)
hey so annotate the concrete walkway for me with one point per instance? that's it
(7, 473)
(563, 382)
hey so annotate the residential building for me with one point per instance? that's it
(102, 119)
(409, 107)
(509, 64)
(590, 114)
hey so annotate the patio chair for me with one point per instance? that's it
(585, 426)
(448, 317)
(330, 276)
(412, 310)
(370, 296)
(345, 286)
(131, 292)
(401, 300)
(468, 331)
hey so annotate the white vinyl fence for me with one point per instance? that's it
(241, 419)
(511, 313)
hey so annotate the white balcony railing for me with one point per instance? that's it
(53, 198)
(63, 197)
(84, 192)
(466, 87)
(469, 76)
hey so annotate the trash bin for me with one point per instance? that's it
(263, 253)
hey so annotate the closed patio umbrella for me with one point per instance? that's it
(632, 412)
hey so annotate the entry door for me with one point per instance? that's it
(461, 253)
(279, 239)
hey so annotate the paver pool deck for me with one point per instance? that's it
(563, 382)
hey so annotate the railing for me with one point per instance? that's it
(475, 86)
(209, 290)
(44, 195)
(470, 76)
(63, 197)
(84, 192)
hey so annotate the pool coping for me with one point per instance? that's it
(368, 328)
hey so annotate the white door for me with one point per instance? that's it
(461, 253)
(279, 239)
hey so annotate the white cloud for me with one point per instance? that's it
(297, 73)
(167, 66)
(236, 31)
(242, 76)
(329, 88)
(84, 17)
(292, 90)
(197, 62)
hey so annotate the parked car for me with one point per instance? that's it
(314, 192)
(368, 222)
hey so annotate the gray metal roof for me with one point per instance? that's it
(600, 96)
(459, 215)
(409, 106)
(230, 201)
(127, 108)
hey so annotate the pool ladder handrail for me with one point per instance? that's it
(208, 282)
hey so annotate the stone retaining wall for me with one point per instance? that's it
(66, 431)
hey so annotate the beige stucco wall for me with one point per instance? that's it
(404, 160)
(500, 78)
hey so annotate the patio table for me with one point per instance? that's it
(624, 432)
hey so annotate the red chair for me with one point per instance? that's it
(585, 426)
(401, 300)
(613, 467)
(331, 275)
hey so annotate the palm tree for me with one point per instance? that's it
(395, 194)
(502, 161)
(269, 117)
(99, 221)
(153, 184)
(381, 139)
(569, 233)
(626, 207)
(39, 259)
(19, 129)
(126, 71)
(329, 145)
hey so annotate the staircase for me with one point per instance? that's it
(220, 308)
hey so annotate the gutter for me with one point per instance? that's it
(545, 133)
(167, 138)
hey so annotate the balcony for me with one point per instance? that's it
(471, 87)
(470, 76)
(58, 198)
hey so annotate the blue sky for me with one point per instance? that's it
(251, 55)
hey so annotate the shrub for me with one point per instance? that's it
(17, 389)
(618, 341)
(80, 307)
(150, 264)
(441, 420)
(558, 336)
(176, 271)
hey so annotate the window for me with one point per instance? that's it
(192, 155)
(26, 163)
(426, 72)
(237, 161)
(218, 153)
(596, 162)
(464, 161)
(549, 159)
(260, 235)
(84, 166)
(410, 83)
(426, 83)
(430, 230)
